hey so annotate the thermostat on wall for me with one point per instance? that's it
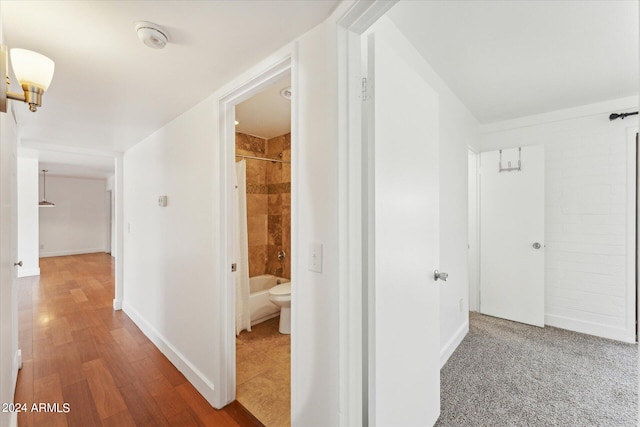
(162, 201)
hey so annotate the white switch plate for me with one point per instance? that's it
(315, 257)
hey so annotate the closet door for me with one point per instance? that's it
(512, 234)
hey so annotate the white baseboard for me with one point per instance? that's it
(28, 272)
(71, 252)
(447, 350)
(193, 374)
(590, 328)
(117, 304)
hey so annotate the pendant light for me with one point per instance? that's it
(44, 203)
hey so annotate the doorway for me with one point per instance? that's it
(473, 260)
(227, 390)
(109, 205)
(263, 253)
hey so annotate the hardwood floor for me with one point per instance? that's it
(77, 350)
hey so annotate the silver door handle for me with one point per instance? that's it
(440, 276)
(19, 264)
(536, 245)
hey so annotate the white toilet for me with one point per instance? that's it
(280, 295)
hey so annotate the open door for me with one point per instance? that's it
(512, 234)
(9, 264)
(404, 317)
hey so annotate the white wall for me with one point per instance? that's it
(28, 215)
(590, 223)
(78, 222)
(458, 131)
(315, 211)
(171, 254)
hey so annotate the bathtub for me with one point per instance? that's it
(261, 307)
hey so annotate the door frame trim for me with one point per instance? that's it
(225, 365)
(474, 286)
(353, 215)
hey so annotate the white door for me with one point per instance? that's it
(404, 383)
(512, 235)
(8, 254)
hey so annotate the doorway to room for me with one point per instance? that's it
(263, 253)
(261, 157)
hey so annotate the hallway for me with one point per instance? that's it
(77, 350)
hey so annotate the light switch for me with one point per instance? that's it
(315, 257)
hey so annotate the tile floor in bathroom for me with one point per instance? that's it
(263, 373)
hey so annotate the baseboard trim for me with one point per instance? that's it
(589, 328)
(28, 272)
(117, 304)
(447, 350)
(193, 374)
(72, 252)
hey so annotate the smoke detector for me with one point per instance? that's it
(152, 35)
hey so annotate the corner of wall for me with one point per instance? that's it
(193, 374)
(450, 346)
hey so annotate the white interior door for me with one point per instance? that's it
(511, 228)
(8, 256)
(404, 383)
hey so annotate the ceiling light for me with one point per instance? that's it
(286, 93)
(44, 203)
(152, 35)
(34, 72)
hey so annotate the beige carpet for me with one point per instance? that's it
(510, 374)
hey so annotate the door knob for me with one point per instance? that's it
(19, 263)
(536, 245)
(440, 276)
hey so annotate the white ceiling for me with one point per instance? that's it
(267, 114)
(503, 59)
(76, 165)
(110, 91)
(509, 59)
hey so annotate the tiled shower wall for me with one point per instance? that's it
(268, 203)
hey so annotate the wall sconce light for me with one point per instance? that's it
(34, 72)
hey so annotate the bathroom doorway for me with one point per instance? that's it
(263, 253)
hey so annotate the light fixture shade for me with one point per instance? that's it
(32, 68)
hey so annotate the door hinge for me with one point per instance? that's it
(234, 267)
(364, 88)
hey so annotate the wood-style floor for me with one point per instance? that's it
(77, 350)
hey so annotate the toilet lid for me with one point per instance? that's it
(281, 290)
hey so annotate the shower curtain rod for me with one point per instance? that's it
(262, 158)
